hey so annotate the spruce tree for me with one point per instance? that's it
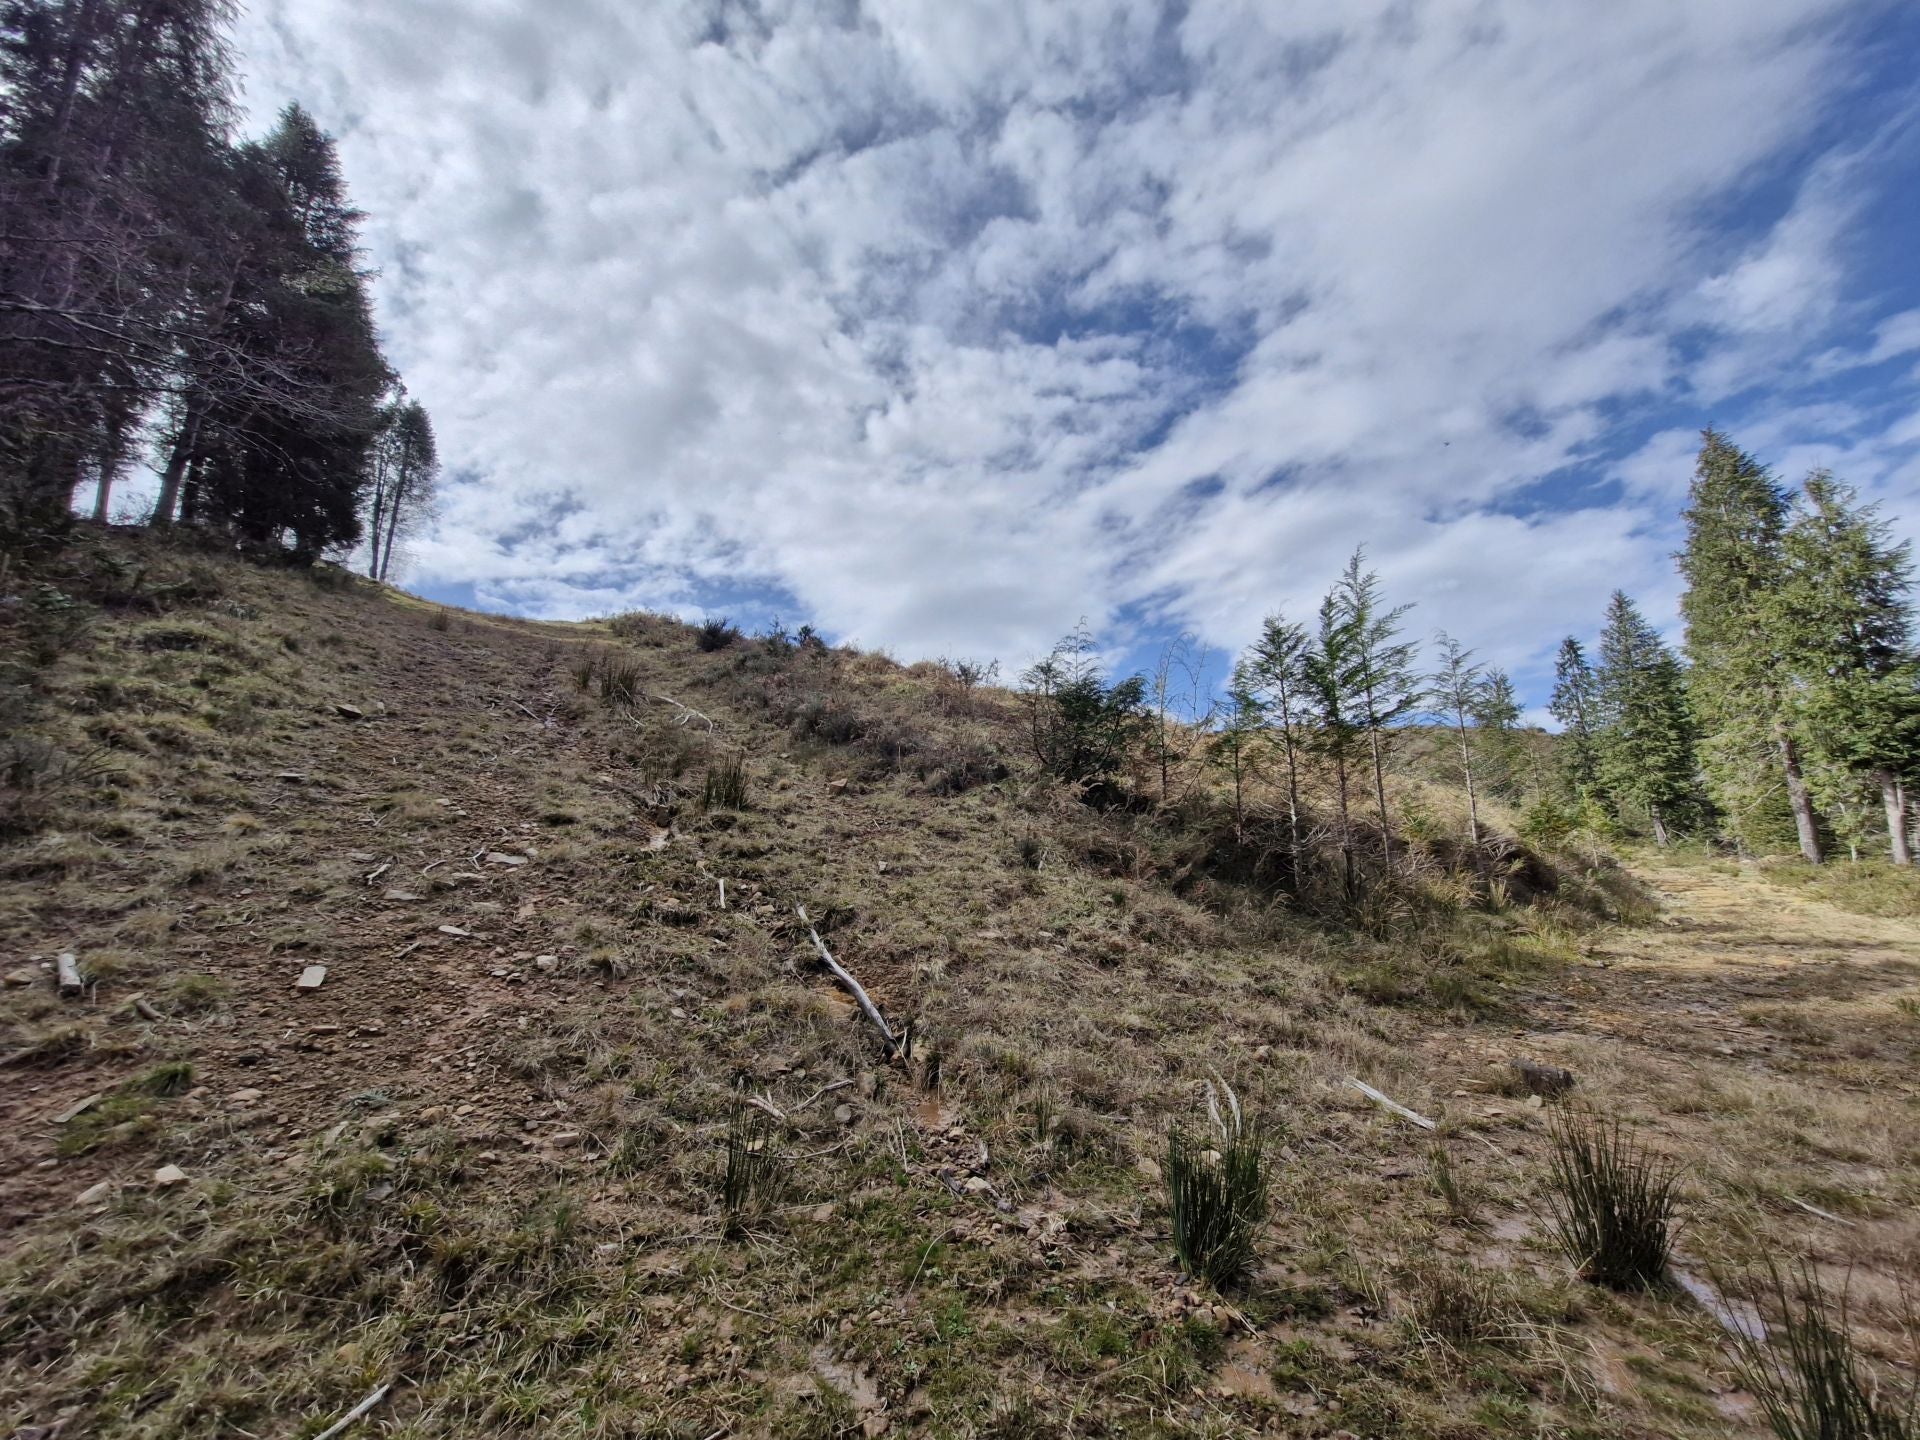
(1234, 747)
(1496, 714)
(1279, 670)
(1847, 614)
(1646, 741)
(1574, 706)
(1734, 568)
(1388, 689)
(1332, 670)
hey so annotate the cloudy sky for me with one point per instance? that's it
(943, 325)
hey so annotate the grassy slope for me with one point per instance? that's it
(494, 1178)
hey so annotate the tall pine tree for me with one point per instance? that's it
(1846, 612)
(1646, 738)
(1575, 706)
(1734, 567)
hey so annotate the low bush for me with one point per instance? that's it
(715, 634)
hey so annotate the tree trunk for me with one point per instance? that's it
(184, 442)
(1466, 767)
(1893, 793)
(1797, 795)
(1660, 836)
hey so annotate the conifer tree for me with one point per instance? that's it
(1279, 670)
(1332, 671)
(1646, 740)
(1455, 686)
(1574, 705)
(1847, 614)
(1496, 713)
(1383, 675)
(1233, 747)
(1734, 568)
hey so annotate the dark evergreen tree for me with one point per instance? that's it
(1279, 671)
(1646, 739)
(1733, 565)
(1574, 705)
(1081, 727)
(1387, 688)
(1846, 613)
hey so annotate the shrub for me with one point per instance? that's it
(583, 668)
(1808, 1376)
(1217, 1189)
(34, 775)
(1080, 727)
(441, 619)
(1612, 1202)
(715, 634)
(725, 787)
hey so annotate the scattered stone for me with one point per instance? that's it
(677, 1013)
(456, 931)
(323, 1029)
(247, 1097)
(361, 857)
(844, 1114)
(311, 978)
(79, 1107)
(866, 1086)
(401, 895)
(464, 1110)
(836, 787)
(433, 1114)
(496, 857)
(168, 1176)
(1550, 1081)
(976, 1185)
(349, 712)
(546, 962)
(566, 1137)
(293, 777)
(22, 977)
(94, 1194)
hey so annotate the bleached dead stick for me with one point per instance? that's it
(846, 979)
(339, 1427)
(687, 712)
(1391, 1104)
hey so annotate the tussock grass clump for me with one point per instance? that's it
(34, 776)
(1217, 1187)
(619, 680)
(725, 786)
(1807, 1374)
(755, 1173)
(1611, 1205)
(441, 619)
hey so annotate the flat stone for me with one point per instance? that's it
(361, 856)
(349, 712)
(497, 857)
(246, 1097)
(456, 931)
(546, 962)
(401, 895)
(168, 1176)
(94, 1194)
(79, 1107)
(311, 978)
(566, 1137)
(22, 977)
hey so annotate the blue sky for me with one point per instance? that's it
(944, 325)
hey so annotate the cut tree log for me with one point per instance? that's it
(72, 983)
(845, 978)
(1388, 1102)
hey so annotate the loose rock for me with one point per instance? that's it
(169, 1176)
(350, 712)
(311, 978)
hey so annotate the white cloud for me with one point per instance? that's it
(957, 322)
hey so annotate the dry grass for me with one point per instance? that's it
(498, 1179)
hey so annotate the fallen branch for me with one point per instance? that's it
(687, 712)
(1816, 1210)
(846, 979)
(339, 1427)
(823, 1090)
(1391, 1104)
(723, 894)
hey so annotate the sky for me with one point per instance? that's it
(944, 326)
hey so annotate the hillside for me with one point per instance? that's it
(482, 1162)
